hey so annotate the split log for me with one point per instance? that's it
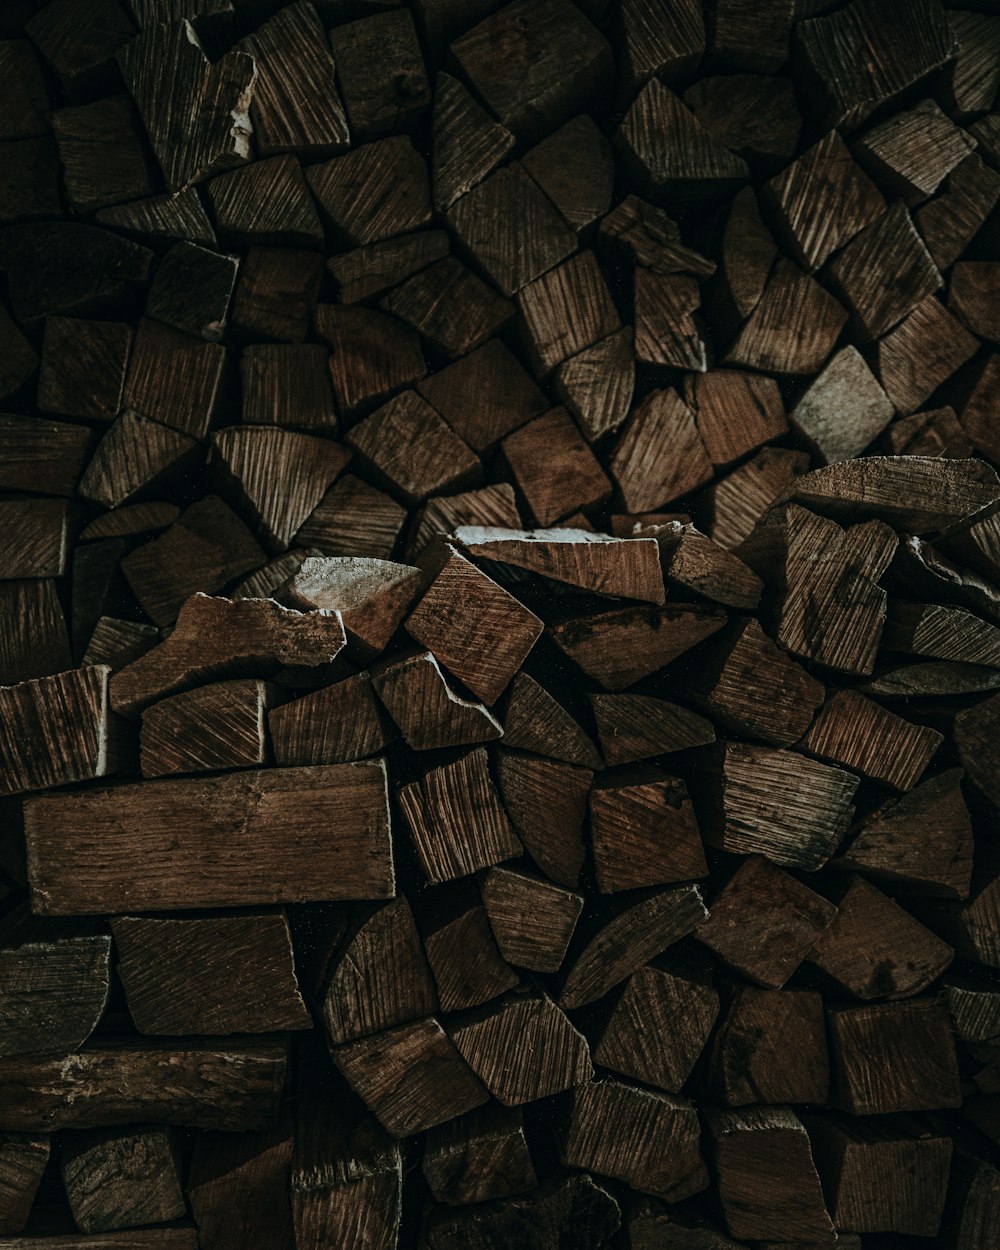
(493, 505)
(231, 1088)
(970, 79)
(668, 330)
(927, 347)
(640, 234)
(209, 729)
(83, 367)
(662, 41)
(735, 412)
(354, 519)
(974, 1189)
(770, 1048)
(565, 311)
(24, 101)
(159, 218)
(170, 1237)
(380, 70)
(950, 221)
(522, 1047)
(333, 725)
(535, 721)
(288, 384)
(974, 413)
(933, 679)
(31, 187)
(575, 168)
(276, 293)
(133, 521)
(660, 455)
(266, 204)
(429, 712)
(649, 1220)
(468, 144)
(456, 820)
(911, 153)
(764, 923)
(645, 1138)
(554, 469)
(698, 564)
(118, 1179)
(943, 633)
(262, 582)
(155, 853)
(747, 251)
(101, 153)
(369, 271)
(374, 192)
(238, 1185)
(843, 410)
(545, 799)
(80, 64)
(33, 638)
(462, 951)
(174, 378)
(632, 727)
(597, 384)
(454, 310)
(479, 1156)
(936, 433)
(736, 503)
(754, 115)
(22, 1161)
(532, 919)
(38, 537)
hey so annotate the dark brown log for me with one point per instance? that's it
(232, 1087)
(747, 252)
(170, 1237)
(18, 356)
(921, 353)
(354, 519)
(735, 412)
(575, 168)
(522, 1047)
(659, 40)
(456, 820)
(792, 328)
(264, 581)
(934, 678)
(453, 309)
(101, 153)
(373, 355)
(462, 951)
(969, 297)
(973, 1195)
(411, 1078)
(637, 233)
(631, 939)
(535, 721)
(97, 582)
(238, 1185)
(174, 378)
(650, 1220)
(747, 36)
(80, 59)
(493, 505)
(647, 475)
(154, 853)
(545, 800)
(670, 155)
(209, 729)
(555, 471)
(913, 152)
(738, 501)
(196, 114)
(657, 1029)
(30, 187)
(597, 384)
(943, 633)
(24, 100)
(158, 218)
(920, 844)
(667, 328)
(376, 977)
(635, 727)
(430, 713)
(33, 638)
(843, 410)
(266, 204)
(647, 1139)
(479, 1156)
(468, 144)
(890, 1057)
(936, 433)
(535, 65)
(764, 923)
(374, 192)
(566, 310)
(22, 1162)
(334, 725)
(83, 367)
(532, 920)
(288, 384)
(276, 292)
(372, 270)
(697, 564)
(510, 227)
(295, 105)
(882, 1175)
(777, 803)
(621, 647)
(117, 1179)
(644, 830)
(950, 221)
(754, 115)
(38, 537)
(770, 1048)
(381, 73)
(768, 1183)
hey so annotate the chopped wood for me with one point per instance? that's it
(659, 40)
(79, 63)
(974, 1187)
(266, 204)
(430, 713)
(554, 469)
(31, 187)
(754, 115)
(117, 643)
(949, 222)
(468, 144)
(936, 433)
(288, 384)
(972, 80)
(698, 564)
(913, 152)
(19, 360)
(176, 215)
(735, 412)
(120, 1179)
(793, 327)
(747, 36)
(597, 384)
(921, 353)
(532, 919)
(192, 290)
(24, 99)
(373, 192)
(493, 505)
(365, 272)
(535, 721)
(276, 292)
(633, 727)
(238, 1185)
(462, 952)
(83, 367)
(209, 729)
(575, 168)
(969, 291)
(373, 355)
(137, 456)
(334, 725)
(737, 502)
(38, 537)
(354, 519)
(546, 801)
(566, 310)
(33, 637)
(380, 70)
(844, 409)
(481, 1155)
(454, 310)
(638, 233)
(922, 681)
(22, 1161)
(943, 633)
(660, 456)
(667, 329)
(169, 1237)
(175, 378)
(101, 154)
(747, 253)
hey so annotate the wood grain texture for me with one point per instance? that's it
(209, 729)
(793, 327)
(597, 384)
(468, 143)
(238, 1185)
(556, 472)
(373, 355)
(266, 204)
(22, 1161)
(454, 310)
(122, 1179)
(643, 830)
(566, 310)
(333, 725)
(364, 272)
(532, 919)
(660, 455)
(174, 378)
(276, 293)
(354, 519)
(375, 191)
(479, 1156)
(428, 710)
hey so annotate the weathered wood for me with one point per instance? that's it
(33, 637)
(936, 433)
(101, 153)
(697, 564)
(81, 63)
(462, 951)
(24, 100)
(276, 292)
(430, 713)
(175, 378)
(156, 851)
(333, 725)
(479, 1156)
(170, 1237)
(535, 721)
(793, 326)
(754, 115)
(659, 40)
(454, 310)
(575, 168)
(667, 328)
(158, 218)
(633, 727)
(545, 799)
(288, 384)
(638, 233)
(735, 503)
(597, 384)
(647, 475)
(927, 347)
(555, 471)
(532, 919)
(209, 729)
(38, 537)
(372, 270)
(843, 410)
(735, 412)
(943, 633)
(974, 1192)
(238, 1185)
(566, 310)
(354, 519)
(381, 73)
(913, 152)
(22, 1161)
(122, 1179)
(266, 204)
(374, 192)
(949, 222)
(468, 144)
(373, 355)
(19, 358)
(83, 367)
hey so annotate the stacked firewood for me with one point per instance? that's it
(499, 624)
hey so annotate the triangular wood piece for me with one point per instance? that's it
(636, 727)
(430, 713)
(468, 143)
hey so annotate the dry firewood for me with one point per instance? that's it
(266, 204)
(192, 290)
(924, 571)
(411, 1077)
(456, 820)
(971, 925)
(493, 505)
(875, 949)
(295, 105)
(468, 144)
(33, 637)
(22, 1162)
(843, 410)
(935, 433)
(231, 1087)
(882, 1175)
(376, 977)
(644, 830)
(942, 633)
(55, 981)
(631, 939)
(177, 215)
(18, 360)
(532, 919)
(567, 1206)
(196, 114)
(24, 101)
(754, 115)
(122, 1178)
(854, 61)
(166, 1237)
(481, 1155)
(555, 471)
(430, 713)
(365, 272)
(546, 799)
(453, 309)
(702, 566)
(890, 1057)
(923, 351)
(208, 729)
(651, 1224)
(974, 735)
(80, 63)
(101, 154)
(737, 502)
(747, 253)
(239, 1187)
(484, 396)
(535, 65)
(510, 227)
(735, 412)
(566, 310)
(373, 355)
(913, 152)
(97, 584)
(660, 455)
(337, 847)
(658, 1027)
(575, 168)
(821, 201)
(974, 1192)
(535, 721)
(635, 727)
(83, 367)
(596, 384)
(777, 803)
(621, 647)
(334, 725)
(747, 36)
(949, 222)
(117, 643)
(659, 40)
(58, 730)
(667, 329)
(174, 378)
(38, 536)
(522, 1047)
(975, 75)
(206, 549)
(969, 291)
(637, 233)
(31, 186)
(919, 844)
(462, 951)
(276, 292)
(381, 73)
(979, 403)
(646, 1138)
(933, 679)
(768, 1183)
(793, 326)
(354, 519)
(288, 384)
(279, 476)
(262, 583)
(764, 923)
(770, 1048)
(974, 1006)
(671, 156)
(374, 192)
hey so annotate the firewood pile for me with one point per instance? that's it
(499, 625)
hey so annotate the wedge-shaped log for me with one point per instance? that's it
(547, 802)
(23, 1159)
(532, 919)
(208, 729)
(430, 713)
(333, 725)
(122, 1179)
(238, 1186)
(479, 1156)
